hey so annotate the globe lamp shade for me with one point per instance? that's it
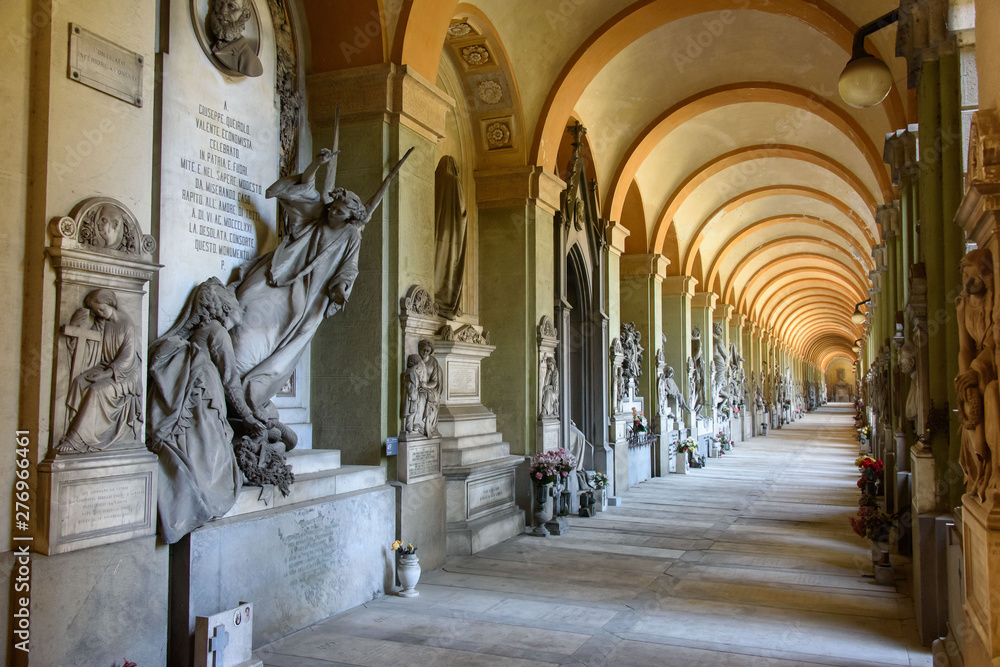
(865, 81)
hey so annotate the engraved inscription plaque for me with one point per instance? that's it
(463, 381)
(106, 505)
(489, 493)
(105, 66)
(419, 460)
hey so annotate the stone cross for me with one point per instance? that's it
(217, 646)
(80, 335)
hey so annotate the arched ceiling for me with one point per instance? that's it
(755, 177)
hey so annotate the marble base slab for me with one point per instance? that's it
(481, 509)
(299, 563)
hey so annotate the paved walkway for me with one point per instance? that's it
(750, 561)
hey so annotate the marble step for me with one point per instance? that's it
(304, 461)
(468, 441)
(308, 487)
(481, 468)
(467, 456)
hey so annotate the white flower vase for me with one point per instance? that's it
(681, 463)
(601, 498)
(409, 574)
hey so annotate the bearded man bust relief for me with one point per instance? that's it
(225, 22)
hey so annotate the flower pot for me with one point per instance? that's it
(681, 462)
(409, 574)
(543, 511)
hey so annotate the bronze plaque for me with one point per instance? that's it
(100, 64)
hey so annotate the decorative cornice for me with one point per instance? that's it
(680, 285)
(513, 186)
(653, 264)
(381, 90)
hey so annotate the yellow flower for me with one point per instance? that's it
(410, 547)
(397, 544)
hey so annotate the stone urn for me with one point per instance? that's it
(543, 510)
(409, 574)
(681, 463)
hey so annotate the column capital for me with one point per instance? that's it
(652, 264)
(705, 300)
(742, 320)
(887, 217)
(900, 153)
(375, 91)
(922, 34)
(513, 186)
(725, 311)
(680, 285)
(616, 235)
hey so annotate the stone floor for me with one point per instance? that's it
(750, 561)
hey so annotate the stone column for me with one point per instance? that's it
(678, 292)
(642, 303)
(516, 218)
(702, 316)
(360, 362)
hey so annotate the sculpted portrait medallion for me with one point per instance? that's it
(229, 34)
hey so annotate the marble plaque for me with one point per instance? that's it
(102, 505)
(419, 460)
(94, 500)
(220, 151)
(489, 493)
(105, 66)
(463, 380)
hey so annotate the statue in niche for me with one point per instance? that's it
(667, 389)
(226, 21)
(976, 382)
(632, 363)
(414, 401)
(720, 369)
(430, 388)
(692, 378)
(450, 223)
(908, 368)
(193, 388)
(104, 405)
(550, 388)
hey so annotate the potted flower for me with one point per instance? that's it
(600, 483)
(548, 469)
(681, 457)
(408, 570)
(638, 422)
(872, 471)
(875, 525)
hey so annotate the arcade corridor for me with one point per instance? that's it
(750, 561)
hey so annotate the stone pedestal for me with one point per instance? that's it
(476, 462)
(981, 529)
(929, 591)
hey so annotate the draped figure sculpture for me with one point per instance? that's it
(976, 382)
(450, 224)
(193, 388)
(288, 292)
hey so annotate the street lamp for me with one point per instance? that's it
(858, 317)
(866, 80)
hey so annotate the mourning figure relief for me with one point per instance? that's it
(976, 382)
(104, 405)
(226, 21)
